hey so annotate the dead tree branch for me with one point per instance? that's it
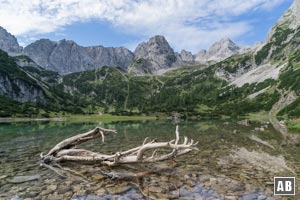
(67, 151)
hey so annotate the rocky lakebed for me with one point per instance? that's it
(234, 162)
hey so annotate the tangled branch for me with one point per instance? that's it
(146, 153)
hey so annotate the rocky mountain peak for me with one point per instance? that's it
(155, 46)
(220, 50)
(66, 42)
(186, 56)
(289, 20)
(225, 40)
(291, 17)
(295, 8)
(201, 57)
(282, 34)
(225, 45)
(40, 51)
(66, 56)
(156, 52)
(41, 42)
(159, 39)
(8, 42)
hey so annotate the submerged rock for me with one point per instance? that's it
(245, 122)
(118, 189)
(16, 198)
(258, 160)
(3, 177)
(22, 179)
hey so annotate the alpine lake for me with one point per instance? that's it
(234, 161)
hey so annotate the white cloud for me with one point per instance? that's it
(189, 24)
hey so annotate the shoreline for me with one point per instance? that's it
(11, 119)
(79, 118)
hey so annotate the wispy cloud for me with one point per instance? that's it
(189, 24)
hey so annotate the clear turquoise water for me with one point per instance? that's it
(198, 173)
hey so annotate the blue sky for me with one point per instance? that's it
(187, 24)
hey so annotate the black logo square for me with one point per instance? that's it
(284, 185)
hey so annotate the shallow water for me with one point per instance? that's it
(230, 164)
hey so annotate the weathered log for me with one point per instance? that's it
(146, 153)
(80, 138)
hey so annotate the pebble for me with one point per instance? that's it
(45, 192)
(231, 197)
(76, 188)
(155, 189)
(3, 177)
(100, 191)
(52, 187)
(164, 178)
(269, 183)
(191, 183)
(22, 179)
(49, 181)
(68, 195)
(32, 194)
(186, 177)
(118, 190)
(98, 177)
(55, 196)
(213, 181)
(62, 189)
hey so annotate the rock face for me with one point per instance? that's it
(20, 90)
(25, 61)
(201, 57)
(66, 56)
(109, 56)
(158, 49)
(17, 84)
(157, 53)
(187, 56)
(218, 51)
(289, 20)
(282, 41)
(8, 42)
(154, 56)
(269, 59)
(40, 52)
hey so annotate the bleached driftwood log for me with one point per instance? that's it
(67, 151)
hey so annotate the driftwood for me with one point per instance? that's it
(148, 152)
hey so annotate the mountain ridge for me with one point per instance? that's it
(8, 42)
(219, 51)
(56, 56)
(66, 56)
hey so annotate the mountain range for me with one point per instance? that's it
(66, 56)
(227, 79)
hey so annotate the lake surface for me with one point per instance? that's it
(233, 161)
